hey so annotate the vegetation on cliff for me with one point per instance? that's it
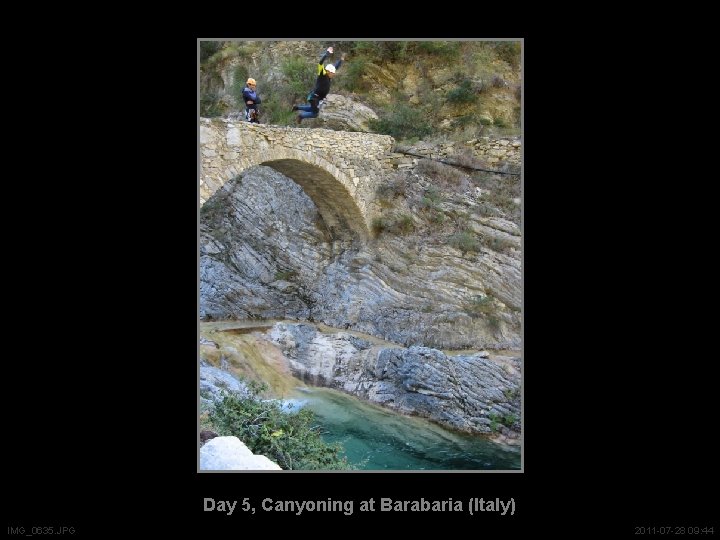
(290, 439)
(418, 89)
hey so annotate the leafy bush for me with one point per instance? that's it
(210, 105)
(240, 76)
(497, 420)
(509, 51)
(432, 199)
(437, 217)
(499, 121)
(224, 51)
(379, 225)
(353, 72)
(402, 122)
(276, 110)
(447, 49)
(465, 121)
(207, 49)
(401, 225)
(289, 439)
(299, 77)
(463, 93)
(404, 224)
(392, 51)
(464, 241)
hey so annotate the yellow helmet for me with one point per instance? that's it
(251, 81)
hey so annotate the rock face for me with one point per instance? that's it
(230, 454)
(214, 380)
(265, 252)
(342, 113)
(468, 393)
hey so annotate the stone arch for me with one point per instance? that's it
(330, 189)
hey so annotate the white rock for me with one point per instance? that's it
(230, 454)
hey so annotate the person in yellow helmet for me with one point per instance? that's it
(252, 100)
(322, 87)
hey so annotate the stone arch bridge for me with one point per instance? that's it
(339, 170)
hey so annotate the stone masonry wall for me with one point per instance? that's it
(351, 162)
(339, 170)
(495, 152)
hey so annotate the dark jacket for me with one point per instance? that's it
(250, 95)
(322, 84)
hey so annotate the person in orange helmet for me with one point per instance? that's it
(251, 98)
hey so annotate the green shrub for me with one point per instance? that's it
(464, 121)
(352, 76)
(276, 109)
(379, 225)
(388, 51)
(368, 48)
(289, 439)
(463, 93)
(499, 121)
(404, 224)
(299, 76)
(240, 76)
(437, 217)
(401, 225)
(225, 50)
(496, 420)
(207, 49)
(402, 122)
(447, 49)
(432, 198)
(210, 105)
(509, 51)
(465, 242)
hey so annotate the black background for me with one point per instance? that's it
(101, 368)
